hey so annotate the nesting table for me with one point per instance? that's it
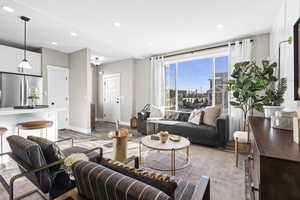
(169, 146)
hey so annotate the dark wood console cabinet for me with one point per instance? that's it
(274, 162)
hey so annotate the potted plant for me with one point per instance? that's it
(248, 80)
(274, 97)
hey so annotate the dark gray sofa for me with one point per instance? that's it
(216, 136)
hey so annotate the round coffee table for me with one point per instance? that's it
(170, 146)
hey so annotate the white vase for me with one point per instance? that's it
(271, 110)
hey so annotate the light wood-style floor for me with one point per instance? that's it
(227, 181)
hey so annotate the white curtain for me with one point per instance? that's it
(241, 51)
(157, 85)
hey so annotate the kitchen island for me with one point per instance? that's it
(9, 117)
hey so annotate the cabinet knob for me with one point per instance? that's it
(250, 157)
(253, 188)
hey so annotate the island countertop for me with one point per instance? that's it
(12, 111)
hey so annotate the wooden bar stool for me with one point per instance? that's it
(33, 125)
(3, 130)
(241, 144)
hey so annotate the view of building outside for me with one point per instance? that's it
(194, 84)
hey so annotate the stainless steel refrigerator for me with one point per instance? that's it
(15, 89)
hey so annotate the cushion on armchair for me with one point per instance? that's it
(50, 150)
(165, 183)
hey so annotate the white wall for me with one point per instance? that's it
(142, 83)
(281, 30)
(54, 58)
(126, 69)
(80, 90)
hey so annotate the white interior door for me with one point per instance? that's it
(111, 97)
(58, 93)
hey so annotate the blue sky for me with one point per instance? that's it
(194, 74)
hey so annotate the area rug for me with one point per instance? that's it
(227, 181)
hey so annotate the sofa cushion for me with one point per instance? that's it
(155, 112)
(211, 114)
(196, 117)
(50, 150)
(171, 115)
(183, 116)
(95, 181)
(163, 182)
(190, 130)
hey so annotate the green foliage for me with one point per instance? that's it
(274, 96)
(248, 80)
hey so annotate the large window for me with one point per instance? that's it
(196, 83)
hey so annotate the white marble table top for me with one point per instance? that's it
(12, 111)
(168, 146)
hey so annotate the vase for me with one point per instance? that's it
(163, 136)
(271, 110)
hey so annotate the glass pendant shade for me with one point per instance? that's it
(25, 64)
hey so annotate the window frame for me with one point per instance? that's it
(213, 56)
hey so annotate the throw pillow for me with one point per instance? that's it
(165, 183)
(171, 115)
(195, 116)
(50, 150)
(155, 112)
(211, 114)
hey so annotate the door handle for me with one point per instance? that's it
(52, 103)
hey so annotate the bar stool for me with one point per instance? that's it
(241, 144)
(3, 130)
(33, 125)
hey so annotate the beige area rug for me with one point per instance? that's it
(227, 181)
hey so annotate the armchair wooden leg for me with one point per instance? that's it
(236, 148)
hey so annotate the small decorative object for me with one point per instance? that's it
(296, 132)
(283, 120)
(34, 96)
(155, 137)
(133, 122)
(163, 135)
(123, 132)
(71, 159)
(175, 138)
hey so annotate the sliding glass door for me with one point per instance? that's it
(196, 83)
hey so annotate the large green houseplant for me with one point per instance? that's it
(248, 80)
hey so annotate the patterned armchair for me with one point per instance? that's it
(95, 182)
(33, 162)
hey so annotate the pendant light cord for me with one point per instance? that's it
(25, 47)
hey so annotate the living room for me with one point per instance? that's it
(149, 100)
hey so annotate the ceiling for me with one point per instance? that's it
(146, 26)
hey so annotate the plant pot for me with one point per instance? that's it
(271, 110)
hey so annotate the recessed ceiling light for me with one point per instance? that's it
(7, 9)
(73, 34)
(220, 26)
(54, 43)
(117, 24)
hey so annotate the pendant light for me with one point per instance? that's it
(25, 64)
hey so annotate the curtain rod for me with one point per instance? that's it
(197, 50)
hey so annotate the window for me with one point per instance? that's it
(196, 83)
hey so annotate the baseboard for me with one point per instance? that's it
(81, 130)
(124, 123)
